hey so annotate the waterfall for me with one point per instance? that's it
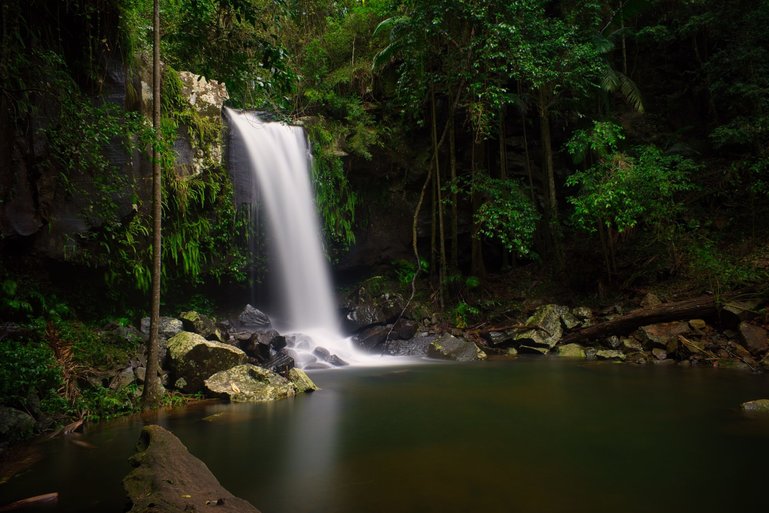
(279, 162)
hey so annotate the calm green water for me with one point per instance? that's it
(535, 436)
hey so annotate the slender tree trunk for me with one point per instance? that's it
(454, 257)
(507, 257)
(439, 197)
(552, 200)
(477, 267)
(624, 39)
(151, 393)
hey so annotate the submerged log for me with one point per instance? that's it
(703, 306)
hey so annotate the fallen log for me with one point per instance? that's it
(703, 306)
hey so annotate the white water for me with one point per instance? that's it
(280, 160)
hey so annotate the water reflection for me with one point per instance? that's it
(525, 437)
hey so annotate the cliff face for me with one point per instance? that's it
(46, 208)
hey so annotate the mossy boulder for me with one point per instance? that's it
(756, 406)
(249, 384)
(200, 324)
(301, 381)
(449, 347)
(571, 351)
(545, 327)
(166, 478)
(192, 359)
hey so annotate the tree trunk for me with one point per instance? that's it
(477, 267)
(439, 198)
(551, 216)
(454, 256)
(151, 393)
(696, 308)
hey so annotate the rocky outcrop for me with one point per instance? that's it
(253, 319)
(201, 324)
(301, 381)
(367, 306)
(571, 351)
(249, 384)
(449, 347)
(15, 425)
(546, 328)
(756, 406)
(166, 478)
(192, 359)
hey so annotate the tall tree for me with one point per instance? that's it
(152, 393)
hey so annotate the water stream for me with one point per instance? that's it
(526, 436)
(278, 161)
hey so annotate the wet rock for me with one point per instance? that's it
(571, 351)
(660, 334)
(449, 347)
(570, 320)
(498, 338)
(405, 329)
(166, 478)
(301, 381)
(698, 324)
(755, 337)
(193, 359)
(167, 327)
(741, 310)
(756, 406)
(545, 328)
(368, 306)
(281, 363)
(665, 362)
(15, 425)
(732, 363)
(613, 342)
(249, 384)
(590, 353)
(262, 345)
(638, 358)
(200, 324)
(372, 337)
(524, 349)
(417, 346)
(659, 353)
(630, 344)
(253, 319)
(582, 313)
(325, 355)
(609, 354)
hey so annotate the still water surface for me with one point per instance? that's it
(528, 436)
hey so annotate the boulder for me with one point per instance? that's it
(405, 329)
(583, 313)
(252, 319)
(630, 344)
(449, 347)
(660, 334)
(659, 353)
(281, 363)
(609, 354)
(499, 338)
(200, 324)
(325, 355)
(263, 345)
(756, 406)
(166, 478)
(15, 425)
(249, 384)
(650, 300)
(370, 338)
(571, 351)
(366, 306)
(546, 329)
(192, 359)
(417, 346)
(755, 337)
(301, 381)
(167, 327)
(524, 349)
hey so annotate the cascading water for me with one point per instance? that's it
(279, 159)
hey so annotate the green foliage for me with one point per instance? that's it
(405, 270)
(719, 269)
(335, 199)
(463, 313)
(29, 375)
(621, 190)
(99, 403)
(505, 214)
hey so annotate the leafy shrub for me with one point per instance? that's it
(29, 376)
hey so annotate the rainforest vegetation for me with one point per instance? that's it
(590, 148)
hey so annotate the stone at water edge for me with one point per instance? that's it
(449, 347)
(756, 338)
(662, 333)
(193, 359)
(15, 425)
(372, 337)
(756, 406)
(546, 329)
(166, 478)
(249, 384)
(609, 354)
(302, 381)
(167, 327)
(571, 351)
(405, 329)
